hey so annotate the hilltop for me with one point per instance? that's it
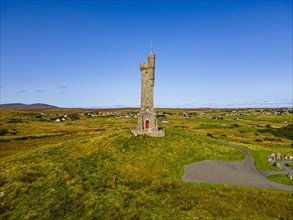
(26, 106)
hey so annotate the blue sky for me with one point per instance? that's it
(87, 53)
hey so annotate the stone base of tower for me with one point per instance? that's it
(147, 124)
(158, 133)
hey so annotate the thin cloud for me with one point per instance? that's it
(22, 91)
(63, 87)
(62, 93)
(41, 91)
(119, 106)
(186, 100)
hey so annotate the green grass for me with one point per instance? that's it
(281, 178)
(259, 155)
(94, 168)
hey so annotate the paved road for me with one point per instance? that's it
(241, 173)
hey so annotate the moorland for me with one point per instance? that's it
(86, 164)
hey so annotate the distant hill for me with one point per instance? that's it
(26, 106)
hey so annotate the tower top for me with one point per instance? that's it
(152, 56)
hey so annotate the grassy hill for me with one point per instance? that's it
(26, 106)
(94, 168)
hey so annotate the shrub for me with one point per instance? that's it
(14, 132)
(3, 131)
(14, 120)
(269, 139)
(285, 132)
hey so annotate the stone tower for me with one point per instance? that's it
(147, 120)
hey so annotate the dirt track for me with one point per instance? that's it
(241, 173)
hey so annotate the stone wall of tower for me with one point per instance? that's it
(147, 90)
(147, 120)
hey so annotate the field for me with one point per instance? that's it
(92, 167)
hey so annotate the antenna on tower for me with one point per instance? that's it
(151, 46)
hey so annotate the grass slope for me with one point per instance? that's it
(101, 171)
(281, 178)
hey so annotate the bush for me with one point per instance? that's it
(3, 131)
(269, 139)
(14, 120)
(14, 132)
(285, 132)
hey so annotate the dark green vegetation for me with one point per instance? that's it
(93, 168)
(284, 132)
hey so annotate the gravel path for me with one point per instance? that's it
(241, 173)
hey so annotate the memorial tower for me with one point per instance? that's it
(147, 120)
